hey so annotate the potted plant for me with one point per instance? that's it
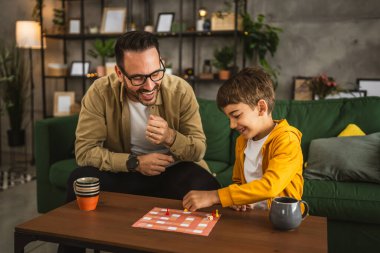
(13, 86)
(260, 39)
(222, 60)
(169, 68)
(104, 49)
(59, 21)
(322, 86)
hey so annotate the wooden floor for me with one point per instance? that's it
(19, 204)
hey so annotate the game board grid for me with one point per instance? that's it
(177, 221)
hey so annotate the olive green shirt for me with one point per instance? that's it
(103, 131)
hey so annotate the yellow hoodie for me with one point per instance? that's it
(282, 169)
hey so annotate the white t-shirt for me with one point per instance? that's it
(139, 115)
(253, 165)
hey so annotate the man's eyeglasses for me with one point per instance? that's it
(138, 79)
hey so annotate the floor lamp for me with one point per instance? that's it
(28, 36)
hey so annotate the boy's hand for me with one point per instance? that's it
(195, 200)
(242, 208)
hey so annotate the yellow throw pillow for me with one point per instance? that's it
(351, 130)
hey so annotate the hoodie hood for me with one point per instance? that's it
(283, 126)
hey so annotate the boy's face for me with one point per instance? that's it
(249, 122)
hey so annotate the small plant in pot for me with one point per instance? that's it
(103, 49)
(59, 21)
(222, 60)
(261, 39)
(14, 88)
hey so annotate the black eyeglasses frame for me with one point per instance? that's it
(130, 78)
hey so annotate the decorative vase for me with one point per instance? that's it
(101, 71)
(224, 74)
(16, 137)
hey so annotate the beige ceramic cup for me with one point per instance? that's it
(87, 192)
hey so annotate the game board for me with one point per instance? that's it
(180, 221)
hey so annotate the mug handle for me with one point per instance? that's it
(306, 211)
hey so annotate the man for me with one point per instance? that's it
(139, 130)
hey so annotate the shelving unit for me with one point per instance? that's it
(81, 38)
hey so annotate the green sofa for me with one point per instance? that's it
(352, 208)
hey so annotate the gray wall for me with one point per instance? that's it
(340, 38)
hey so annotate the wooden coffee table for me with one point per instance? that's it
(109, 228)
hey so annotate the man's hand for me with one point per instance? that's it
(158, 131)
(153, 164)
(242, 208)
(200, 199)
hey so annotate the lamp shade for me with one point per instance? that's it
(28, 34)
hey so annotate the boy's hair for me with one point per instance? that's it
(248, 87)
(134, 41)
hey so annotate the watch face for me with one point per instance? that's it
(132, 163)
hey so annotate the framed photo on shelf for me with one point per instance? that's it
(301, 89)
(164, 21)
(62, 103)
(74, 26)
(113, 20)
(79, 68)
(346, 94)
(371, 86)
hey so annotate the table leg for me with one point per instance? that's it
(20, 241)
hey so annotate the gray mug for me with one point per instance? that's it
(285, 213)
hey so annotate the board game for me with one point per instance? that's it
(197, 223)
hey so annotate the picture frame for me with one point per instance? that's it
(74, 26)
(301, 90)
(77, 68)
(113, 20)
(164, 21)
(371, 86)
(63, 100)
(346, 94)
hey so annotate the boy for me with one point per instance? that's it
(268, 152)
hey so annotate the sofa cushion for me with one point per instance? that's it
(351, 130)
(60, 172)
(355, 158)
(222, 171)
(343, 200)
(225, 177)
(217, 130)
(326, 118)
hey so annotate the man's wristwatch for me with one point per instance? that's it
(132, 163)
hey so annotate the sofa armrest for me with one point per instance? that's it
(54, 141)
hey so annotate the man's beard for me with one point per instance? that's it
(135, 95)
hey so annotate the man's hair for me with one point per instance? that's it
(248, 87)
(134, 41)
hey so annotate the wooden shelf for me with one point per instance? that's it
(160, 35)
(70, 77)
(186, 40)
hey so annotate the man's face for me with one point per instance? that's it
(136, 65)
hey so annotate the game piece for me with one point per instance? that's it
(213, 214)
(185, 210)
(217, 213)
(167, 211)
(196, 223)
(210, 217)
